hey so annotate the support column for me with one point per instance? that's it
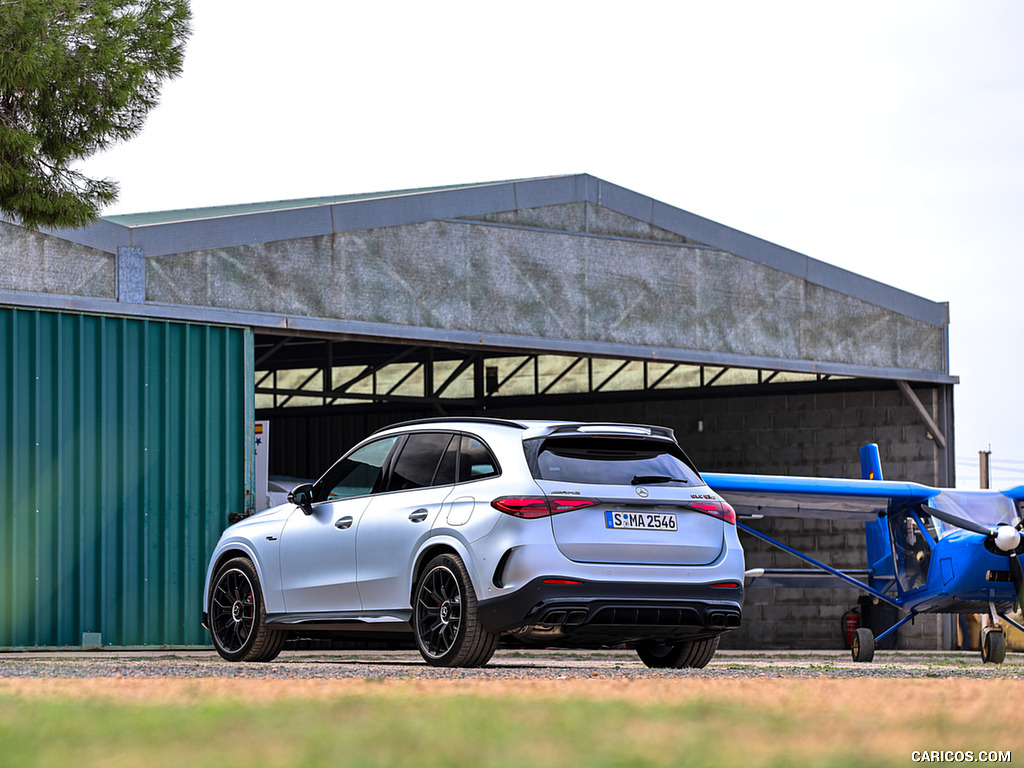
(131, 275)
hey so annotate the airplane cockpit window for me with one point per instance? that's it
(911, 548)
(989, 508)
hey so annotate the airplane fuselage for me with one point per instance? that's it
(962, 576)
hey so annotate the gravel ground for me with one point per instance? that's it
(506, 665)
(798, 707)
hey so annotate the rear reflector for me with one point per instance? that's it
(726, 585)
(570, 582)
(719, 509)
(530, 507)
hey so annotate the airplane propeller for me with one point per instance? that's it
(1005, 537)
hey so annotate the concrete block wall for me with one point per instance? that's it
(795, 433)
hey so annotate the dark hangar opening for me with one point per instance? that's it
(323, 395)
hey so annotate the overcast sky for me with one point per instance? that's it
(886, 138)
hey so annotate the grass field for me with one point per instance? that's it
(369, 722)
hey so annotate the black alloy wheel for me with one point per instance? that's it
(445, 622)
(236, 615)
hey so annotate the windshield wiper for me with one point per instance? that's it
(649, 479)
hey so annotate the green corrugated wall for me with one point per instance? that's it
(124, 445)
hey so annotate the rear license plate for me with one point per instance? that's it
(641, 521)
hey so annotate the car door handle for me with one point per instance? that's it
(419, 516)
(343, 522)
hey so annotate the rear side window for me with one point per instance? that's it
(418, 462)
(612, 461)
(475, 460)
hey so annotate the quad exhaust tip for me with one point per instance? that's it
(567, 618)
(723, 620)
(575, 618)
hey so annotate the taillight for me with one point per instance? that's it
(530, 507)
(719, 509)
(523, 506)
(568, 505)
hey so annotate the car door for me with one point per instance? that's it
(399, 519)
(318, 548)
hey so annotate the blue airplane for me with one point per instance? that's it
(929, 550)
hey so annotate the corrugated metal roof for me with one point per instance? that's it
(217, 211)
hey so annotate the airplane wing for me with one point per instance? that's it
(816, 497)
(1017, 494)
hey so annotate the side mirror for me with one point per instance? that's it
(302, 497)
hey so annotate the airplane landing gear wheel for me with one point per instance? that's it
(863, 646)
(993, 646)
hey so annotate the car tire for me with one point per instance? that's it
(237, 615)
(862, 649)
(446, 622)
(694, 654)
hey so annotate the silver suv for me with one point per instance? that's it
(467, 533)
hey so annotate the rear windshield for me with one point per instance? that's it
(611, 461)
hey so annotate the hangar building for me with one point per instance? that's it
(138, 352)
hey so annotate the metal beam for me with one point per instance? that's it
(508, 344)
(664, 376)
(372, 369)
(716, 377)
(405, 378)
(455, 374)
(305, 392)
(562, 375)
(272, 351)
(614, 373)
(926, 417)
(515, 370)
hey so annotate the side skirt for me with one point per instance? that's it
(396, 622)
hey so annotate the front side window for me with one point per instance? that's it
(357, 474)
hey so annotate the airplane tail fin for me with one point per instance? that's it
(876, 531)
(870, 463)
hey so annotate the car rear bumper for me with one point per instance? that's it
(596, 613)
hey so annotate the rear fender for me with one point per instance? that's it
(440, 543)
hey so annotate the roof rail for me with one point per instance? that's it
(448, 419)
